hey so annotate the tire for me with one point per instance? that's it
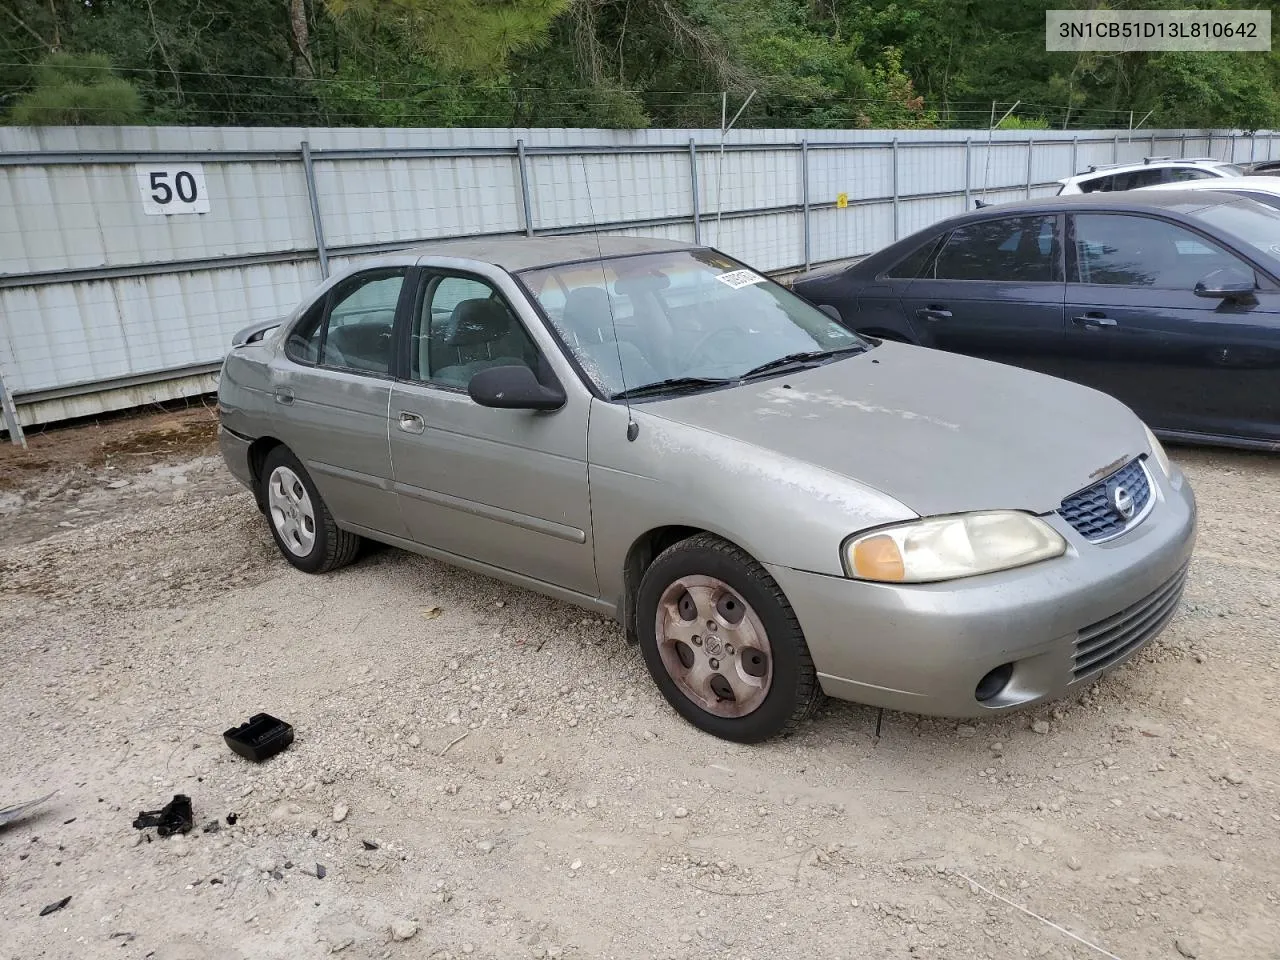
(734, 623)
(300, 522)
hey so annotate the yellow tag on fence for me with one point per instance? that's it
(842, 201)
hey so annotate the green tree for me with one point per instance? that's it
(70, 90)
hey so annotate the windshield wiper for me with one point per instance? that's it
(805, 358)
(670, 385)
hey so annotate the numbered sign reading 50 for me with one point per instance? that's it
(176, 188)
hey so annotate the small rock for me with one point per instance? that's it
(1233, 777)
(117, 484)
(576, 865)
(681, 813)
(403, 929)
(266, 866)
(485, 846)
(178, 846)
(1074, 863)
(964, 731)
(1149, 728)
(1187, 947)
(468, 948)
(592, 803)
(997, 747)
(504, 806)
(650, 735)
(1154, 815)
(415, 741)
(340, 811)
(1040, 726)
(369, 844)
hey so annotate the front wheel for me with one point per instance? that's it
(722, 643)
(301, 524)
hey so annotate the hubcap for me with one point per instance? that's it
(714, 646)
(291, 512)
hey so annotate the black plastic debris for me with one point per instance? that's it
(54, 907)
(320, 871)
(369, 845)
(174, 817)
(261, 737)
(232, 818)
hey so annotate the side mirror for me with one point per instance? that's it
(831, 312)
(514, 388)
(1226, 284)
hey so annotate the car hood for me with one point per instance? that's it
(938, 432)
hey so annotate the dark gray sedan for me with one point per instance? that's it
(1167, 300)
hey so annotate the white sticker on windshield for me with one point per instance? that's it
(740, 278)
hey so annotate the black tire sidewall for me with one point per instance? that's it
(758, 589)
(313, 561)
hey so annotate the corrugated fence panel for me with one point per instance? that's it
(57, 335)
(93, 289)
(384, 201)
(608, 188)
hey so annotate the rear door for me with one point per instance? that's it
(1138, 331)
(332, 389)
(994, 290)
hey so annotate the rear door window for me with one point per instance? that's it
(1011, 249)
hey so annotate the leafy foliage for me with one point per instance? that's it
(73, 90)
(612, 63)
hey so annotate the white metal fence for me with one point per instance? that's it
(128, 256)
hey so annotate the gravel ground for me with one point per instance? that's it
(483, 772)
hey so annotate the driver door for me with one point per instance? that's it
(1138, 331)
(507, 488)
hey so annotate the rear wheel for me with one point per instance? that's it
(301, 524)
(722, 643)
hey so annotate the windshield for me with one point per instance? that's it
(1255, 223)
(1231, 169)
(642, 320)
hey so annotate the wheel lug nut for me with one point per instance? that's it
(728, 648)
(697, 641)
(715, 664)
(711, 625)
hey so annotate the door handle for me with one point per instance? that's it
(411, 422)
(933, 312)
(284, 395)
(1093, 319)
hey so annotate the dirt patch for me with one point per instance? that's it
(126, 441)
(491, 774)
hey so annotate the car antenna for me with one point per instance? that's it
(633, 428)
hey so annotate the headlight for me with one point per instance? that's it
(947, 548)
(1157, 451)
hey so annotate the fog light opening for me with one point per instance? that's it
(993, 684)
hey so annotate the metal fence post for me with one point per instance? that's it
(804, 194)
(1115, 149)
(1182, 147)
(693, 183)
(1031, 146)
(524, 188)
(1232, 156)
(895, 188)
(1153, 143)
(1075, 155)
(308, 167)
(968, 170)
(10, 412)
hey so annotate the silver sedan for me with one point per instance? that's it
(772, 506)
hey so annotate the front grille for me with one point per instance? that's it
(1101, 644)
(1092, 513)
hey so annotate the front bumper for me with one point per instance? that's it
(1060, 623)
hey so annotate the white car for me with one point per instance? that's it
(1263, 188)
(1151, 171)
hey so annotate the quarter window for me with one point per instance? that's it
(909, 268)
(1144, 252)
(463, 325)
(1018, 249)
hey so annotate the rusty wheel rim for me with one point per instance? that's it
(713, 646)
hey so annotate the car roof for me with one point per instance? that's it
(523, 253)
(1176, 202)
(1105, 169)
(1254, 184)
